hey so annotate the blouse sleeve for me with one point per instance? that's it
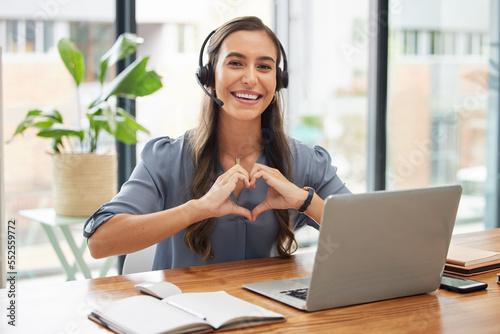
(314, 168)
(143, 192)
(323, 175)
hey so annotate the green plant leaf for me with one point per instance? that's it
(56, 143)
(59, 131)
(43, 124)
(55, 115)
(110, 117)
(34, 112)
(73, 59)
(125, 45)
(130, 121)
(26, 123)
(134, 81)
(125, 133)
(127, 128)
(95, 116)
(120, 125)
(37, 119)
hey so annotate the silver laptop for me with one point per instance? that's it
(374, 246)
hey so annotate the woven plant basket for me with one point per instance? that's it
(83, 182)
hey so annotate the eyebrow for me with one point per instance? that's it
(239, 55)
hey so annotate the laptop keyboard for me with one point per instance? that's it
(297, 293)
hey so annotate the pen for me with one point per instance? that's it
(196, 314)
(106, 324)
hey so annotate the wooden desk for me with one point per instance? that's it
(63, 308)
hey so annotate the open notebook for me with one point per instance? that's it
(182, 313)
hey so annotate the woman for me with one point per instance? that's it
(232, 188)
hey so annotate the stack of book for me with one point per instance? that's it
(467, 261)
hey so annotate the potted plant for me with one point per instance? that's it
(84, 176)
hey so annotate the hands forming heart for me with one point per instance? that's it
(281, 193)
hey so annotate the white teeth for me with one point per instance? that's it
(246, 96)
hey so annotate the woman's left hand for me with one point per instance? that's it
(281, 193)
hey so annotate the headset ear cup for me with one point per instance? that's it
(205, 75)
(202, 74)
(284, 79)
(210, 76)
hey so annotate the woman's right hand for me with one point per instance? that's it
(217, 201)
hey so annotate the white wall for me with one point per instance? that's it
(68, 10)
(432, 15)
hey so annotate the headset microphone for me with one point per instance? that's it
(216, 100)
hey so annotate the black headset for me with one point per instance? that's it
(205, 75)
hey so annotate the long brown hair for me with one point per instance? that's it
(203, 141)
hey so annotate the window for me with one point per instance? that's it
(328, 61)
(444, 162)
(34, 76)
(30, 30)
(476, 44)
(27, 36)
(48, 36)
(173, 44)
(437, 109)
(12, 36)
(410, 42)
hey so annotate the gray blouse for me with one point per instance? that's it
(161, 181)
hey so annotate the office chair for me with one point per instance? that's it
(139, 261)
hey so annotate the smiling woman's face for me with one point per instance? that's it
(245, 75)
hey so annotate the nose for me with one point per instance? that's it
(249, 76)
